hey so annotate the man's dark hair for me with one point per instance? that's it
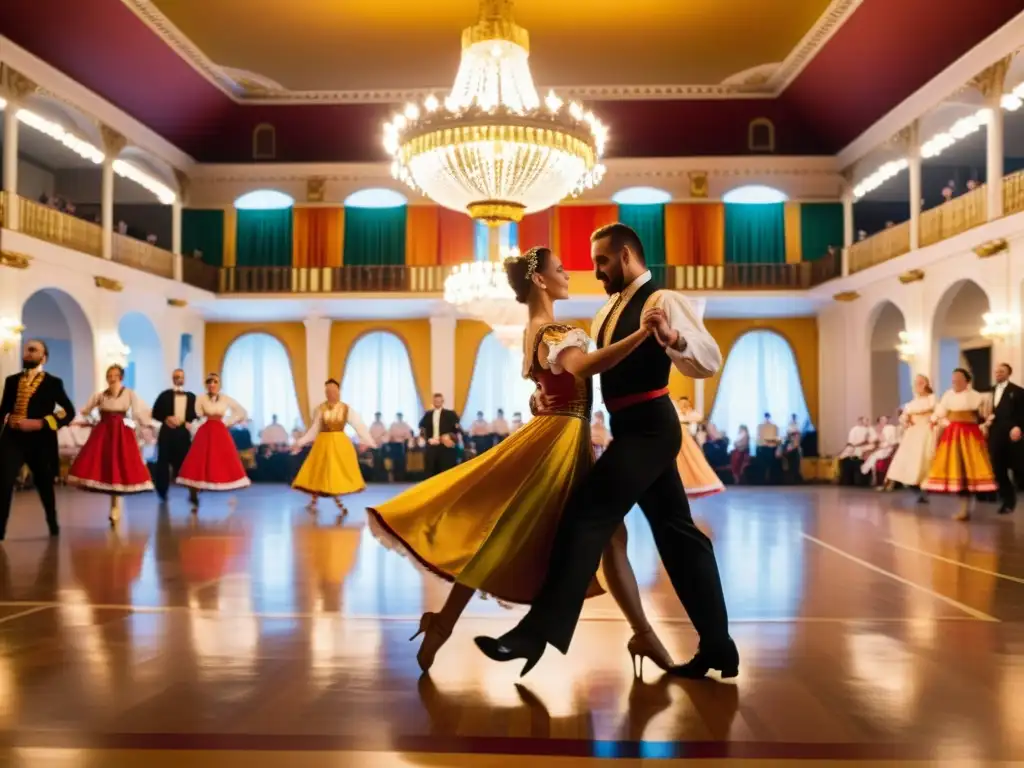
(1008, 367)
(438, 394)
(41, 343)
(332, 381)
(621, 236)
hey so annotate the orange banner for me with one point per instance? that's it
(695, 234)
(317, 236)
(454, 237)
(421, 235)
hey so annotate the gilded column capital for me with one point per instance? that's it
(113, 142)
(991, 80)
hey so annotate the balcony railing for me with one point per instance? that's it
(51, 225)
(199, 274)
(140, 255)
(1013, 193)
(954, 216)
(880, 247)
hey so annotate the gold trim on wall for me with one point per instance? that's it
(177, 303)
(991, 248)
(911, 276)
(15, 260)
(846, 296)
(109, 284)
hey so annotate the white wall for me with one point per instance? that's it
(34, 181)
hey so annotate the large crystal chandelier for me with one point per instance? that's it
(492, 149)
(480, 289)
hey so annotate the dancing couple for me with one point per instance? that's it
(531, 520)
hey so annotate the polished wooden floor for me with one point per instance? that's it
(872, 631)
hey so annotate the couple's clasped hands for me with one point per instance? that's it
(655, 322)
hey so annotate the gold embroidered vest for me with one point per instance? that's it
(26, 389)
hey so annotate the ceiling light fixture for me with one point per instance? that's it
(492, 148)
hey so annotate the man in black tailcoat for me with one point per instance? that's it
(175, 409)
(34, 406)
(638, 467)
(1004, 436)
(440, 428)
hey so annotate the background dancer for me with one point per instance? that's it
(175, 410)
(913, 457)
(111, 462)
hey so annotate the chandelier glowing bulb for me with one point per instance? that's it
(492, 148)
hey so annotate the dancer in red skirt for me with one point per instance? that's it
(110, 461)
(212, 463)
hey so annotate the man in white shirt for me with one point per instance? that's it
(274, 434)
(858, 443)
(517, 422)
(499, 427)
(378, 431)
(440, 428)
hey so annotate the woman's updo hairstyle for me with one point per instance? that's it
(119, 369)
(521, 269)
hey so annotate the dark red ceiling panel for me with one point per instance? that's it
(882, 54)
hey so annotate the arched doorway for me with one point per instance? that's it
(956, 329)
(378, 378)
(890, 376)
(144, 371)
(54, 317)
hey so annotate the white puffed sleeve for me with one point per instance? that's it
(700, 357)
(560, 339)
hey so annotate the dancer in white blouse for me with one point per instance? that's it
(961, 464)
(887, 438)
(212, 463)
(110, 461)
(914, 455)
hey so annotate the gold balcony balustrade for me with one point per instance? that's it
(199, 274)
(53, 226)
(1013, 193)
(140, 255)
(880, 247)
(954, 216)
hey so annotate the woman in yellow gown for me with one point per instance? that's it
(490, 524)
(332, 467)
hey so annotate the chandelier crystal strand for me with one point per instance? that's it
(493, 149)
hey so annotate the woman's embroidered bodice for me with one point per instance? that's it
(334, 417)
(120, 404)
(218, 407)
(568, 395)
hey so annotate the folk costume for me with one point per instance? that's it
(332, 466)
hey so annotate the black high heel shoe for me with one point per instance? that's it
(723, 658)
(511, 647)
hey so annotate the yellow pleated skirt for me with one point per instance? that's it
(490, 523)
(332, 467)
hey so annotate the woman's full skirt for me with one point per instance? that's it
(331, 468)
(110, 460)
(490, 523)
(961, 463)
(913, 458)
(699, 479)
(212, 463)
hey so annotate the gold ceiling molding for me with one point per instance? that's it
(109, 284)
(15, 260)
(177, 303)
(241, 90)
(913, 276)
(991, 248)
(846, 296)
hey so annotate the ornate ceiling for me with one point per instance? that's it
(858, 60)
(371, 45)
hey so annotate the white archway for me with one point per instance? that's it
(956, 331)
(144, 371)
(890, 377)
(760, 376)
(257, 372)
(497, 383)
(378, 378)
(55, 318)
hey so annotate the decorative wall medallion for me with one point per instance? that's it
(109, 284)
(15, 260)
(315, 188)
(698, 184)
(846, 296)
(912, 276)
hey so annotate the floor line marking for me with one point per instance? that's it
(677, 620)
(26, 612)
(951, 561)
(981, 615)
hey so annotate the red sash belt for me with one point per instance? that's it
(614, 404)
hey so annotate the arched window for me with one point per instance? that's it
(755, 194)
(258, 374)
(760, 376)
(145, 369)
(497, 383)
(376, 197)
(264, 200)
(378, 379)
(641, 196)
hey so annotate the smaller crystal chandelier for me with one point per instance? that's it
(480, 289)
(10, 334)
(998, 326)
(906, 348)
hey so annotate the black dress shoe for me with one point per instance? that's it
(54, 531)
(511, 647)
(1005, 510)
(723, 658)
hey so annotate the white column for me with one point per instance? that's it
(698, 397)
(915, 196)
(995, 166)
(318, 343)
(107, 208)
(442, 354)
(176, 237)
(11, 162)
(11, 302)
(847, 230)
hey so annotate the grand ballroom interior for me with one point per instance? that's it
(283, 193)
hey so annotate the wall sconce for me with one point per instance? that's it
(998, 326)
(10, 334)
(907, 347)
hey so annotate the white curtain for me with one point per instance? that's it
(258, 374)
(497, 383)
(760, 376)
(378, 379)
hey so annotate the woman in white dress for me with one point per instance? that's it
(914, 455)
(961, 464)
